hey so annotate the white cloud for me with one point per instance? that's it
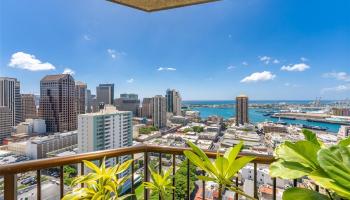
(265, 59)
(231, 67)
(114, 54)
(258, 76)
(303, 59)
(295, 68)
(339, 88)
(86, 37)
(68, 71)
(130, 80)
(29, 62)
(166, 69)
(342, 76)
(290, 85)
(275, 61)
(244, 63)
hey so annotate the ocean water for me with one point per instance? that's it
(254, 115)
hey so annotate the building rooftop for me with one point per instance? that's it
(54, 77)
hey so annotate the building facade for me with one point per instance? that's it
(159, 111)
(341, 111)
(28, 106)
(57, 103)
(10, 97)
(106, 129)
(128, 102)
(80, 97)
(38, 148)
(173, 102)
(242, 110)
(147, 107)
(105, 94)
(5, 123)
(344, 132)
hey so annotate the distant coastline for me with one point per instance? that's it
(207, 108)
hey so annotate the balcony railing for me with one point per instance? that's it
(10, 171)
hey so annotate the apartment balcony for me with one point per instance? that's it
(10, 172)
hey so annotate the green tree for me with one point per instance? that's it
(68, 174)
(198, 129)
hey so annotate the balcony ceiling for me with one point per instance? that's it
(156, 5)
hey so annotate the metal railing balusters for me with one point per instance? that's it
(236, 194)
(274, 189)
(188, 179)
(255, 181)
(174, 170)
(132, 175)
(82, 172)
(61, 182)
(10, 186)
(146, 178)
(203, 186)
(160, 169)
(38, 184)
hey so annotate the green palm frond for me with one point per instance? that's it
(223, 169)
(101, 184)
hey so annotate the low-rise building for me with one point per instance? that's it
(179, 120)
(146, 137)
(344, 131)
(38, 147)
(269, 127)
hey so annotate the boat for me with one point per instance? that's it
(318, 128)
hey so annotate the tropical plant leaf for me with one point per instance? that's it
(311, 137)
(336, 170)
(302, 194)
(303, 152)
(344, 142)
(206, 178)
(238, 164)
(232, 152)
(288, 170)
(124, 166)
(92, 166)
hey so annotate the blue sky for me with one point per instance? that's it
(267, 49)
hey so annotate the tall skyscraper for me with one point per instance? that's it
(116, 131)
(80, 97)
(88, 101)
(57, 103)
(28, 106)
(5, 122)
(128, 102)
(105, 94)
(10, 97)
(242, 110)
(147, 108)
(173, 102)
(159, 111)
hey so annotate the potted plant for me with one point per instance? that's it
(223, 169)
(327, 166)
(102, 183)
(161, 183)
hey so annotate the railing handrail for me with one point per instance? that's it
(33, 165)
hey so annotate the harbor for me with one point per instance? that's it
(304, 114)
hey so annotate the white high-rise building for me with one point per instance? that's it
(106, 129)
